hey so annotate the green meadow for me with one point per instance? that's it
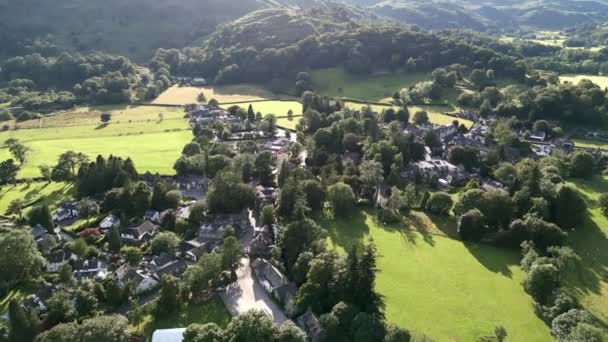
(336, 82)
(278, 108)
(153, 141)
(591, 144)
(590, 241)
(434, 112)
(442, 287)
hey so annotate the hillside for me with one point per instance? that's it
(134, 28)
(490, 15)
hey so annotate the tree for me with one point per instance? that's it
(582, 165)
(169, 300)
(267, 217)
(231, 253)
(366, 327)
(46, 172)
(479, 78)
(341, 197)
(114, 240)
(105, 117)
(228, 194)
(283, 173)
(99, 329)
(164, 242)
(372, 176)
(20, 260)
(289, 332)
(8, 171)
(471, 225)
(209, 332)
(88, 208)
(566, 325)
(198, 212)
(201, 98)
(66, 274)
(421, 118)
(203, 276)
(24, 324)
(296, 238)
(173, 198)
(250, 114)
(16, 207)
(61, 309)
(440, 203)
(192, 149)
(603, 203)
(396, 334)
(568, 207)
(263, 167)
(541, 282)
(18, 151)
(41, 215)
(132, 255)
(252, 326)
(86, 303)
(314, 193)
(137, 313)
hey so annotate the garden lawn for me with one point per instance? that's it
(601, 81)
(51, 193)
(591, 144)
(212, 311)
(441, 287)
(590, 241)
(336, 82)
(278, 108)
(177, 95)
(434, 112)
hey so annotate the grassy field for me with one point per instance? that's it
(230, 93)
(336, 82)
(590, 242)
(601, 81)
(278, 108)
(212, 311)
(288, 123)
(435, 113)
(51, 193)
(135, 132)
(591, 144)
(442, 287)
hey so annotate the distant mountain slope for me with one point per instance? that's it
(490, 15)
(130, 27)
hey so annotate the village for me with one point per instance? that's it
(257, 283)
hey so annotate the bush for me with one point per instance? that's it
(440, 203)
(341, 197)
(472, 225)
(541, 282)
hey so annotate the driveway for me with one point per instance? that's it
(247, 294)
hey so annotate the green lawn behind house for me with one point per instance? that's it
(440, 286)
(33, 193)
(602, 145)
(212, 311)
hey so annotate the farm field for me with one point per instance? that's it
(426, 278)
(288, 123)
(591, 144)
(212, 311)
(90, 116)
(601, 81)
(336, 82)
(278, 108)
(435, 116)
(590, 242)
(177, 95)
(152, 144)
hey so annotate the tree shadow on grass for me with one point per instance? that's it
(493, 258)
(345, 232)
(590, 243)
(102, 126)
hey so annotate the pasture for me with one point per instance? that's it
(152, 143)
(50, 193)
(427, 277)
(278, 108)
(434, 113)
(589, 283)
(177, 95)
(602, 145)
(601, 81)
(336, 82)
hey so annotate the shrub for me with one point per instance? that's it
(440, 203)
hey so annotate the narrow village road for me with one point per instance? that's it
(247, 294)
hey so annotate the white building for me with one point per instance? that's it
(168, 335)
